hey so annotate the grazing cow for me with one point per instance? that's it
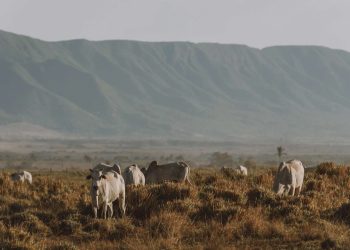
(176, 171)
(105, 167)
(22, 176)
(133, 176)
(106, 187)
(289, 177)
(242, 170)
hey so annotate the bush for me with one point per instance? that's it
(314, 185)
(123, 228)
(30, 222)
(343, 213)
(65, 245)
(260, 196)
(112, 229)
(19, 206)
(68, 227)
(224, 194)
(166, 225)
(328, 244)
(16, 238)
(170, 191)
(214, 210)
(45, 217)
(330, 169)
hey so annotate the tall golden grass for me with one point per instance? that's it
(221, 210)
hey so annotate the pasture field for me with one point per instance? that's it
(220, 210)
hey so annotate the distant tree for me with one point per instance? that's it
(179, 158)
(32, 157)
(169, 157)
(241, 159)
(250, 163)
(87, 158)
(221, 159)
(281, 151)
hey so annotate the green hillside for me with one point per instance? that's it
(128, 89)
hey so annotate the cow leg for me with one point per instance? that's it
(188, 181)
(110, 206)
(298, 190)
(95, 212)
(122, 207)
(293, 190)
(281, 189)
(104, 211)
(287, 190)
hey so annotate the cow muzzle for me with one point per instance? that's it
(95, 190)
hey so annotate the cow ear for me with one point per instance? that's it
(88, 177)
(103, 176)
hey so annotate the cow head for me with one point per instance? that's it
(283, 178)
(153, 164)
(96, 177)
(278, 177)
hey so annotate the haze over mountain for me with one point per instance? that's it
(179, 90)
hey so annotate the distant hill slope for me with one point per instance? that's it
(176, 90)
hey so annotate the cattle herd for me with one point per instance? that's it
(108, 182)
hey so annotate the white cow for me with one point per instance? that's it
(133, 176)
(22, 176)
(107, 187)
(289, 177)
(242, 170)
(176, 171)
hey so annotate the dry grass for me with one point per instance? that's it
(220, 211)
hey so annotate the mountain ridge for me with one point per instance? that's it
(180, 90)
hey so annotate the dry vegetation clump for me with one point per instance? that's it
(343, 213)
(332, 169)
(219, 211)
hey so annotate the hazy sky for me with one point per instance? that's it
(257, 23)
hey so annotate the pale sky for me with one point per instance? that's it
(257, 23)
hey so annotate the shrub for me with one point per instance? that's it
(327, 168)
(111, 229)
(213, 209)
(142, 203)
(170, 191)
(65, 245)
(166, 225)
(122, 229)
(148, 200)
(45, 217)
(30, 222)
(68, 227)
(260, 196)
(231, 174)
(3, 228)
(19, 206)
(224, 194)
(328, 244)
(16, 238)
(343, 213)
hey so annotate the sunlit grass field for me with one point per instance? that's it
(221, 210)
